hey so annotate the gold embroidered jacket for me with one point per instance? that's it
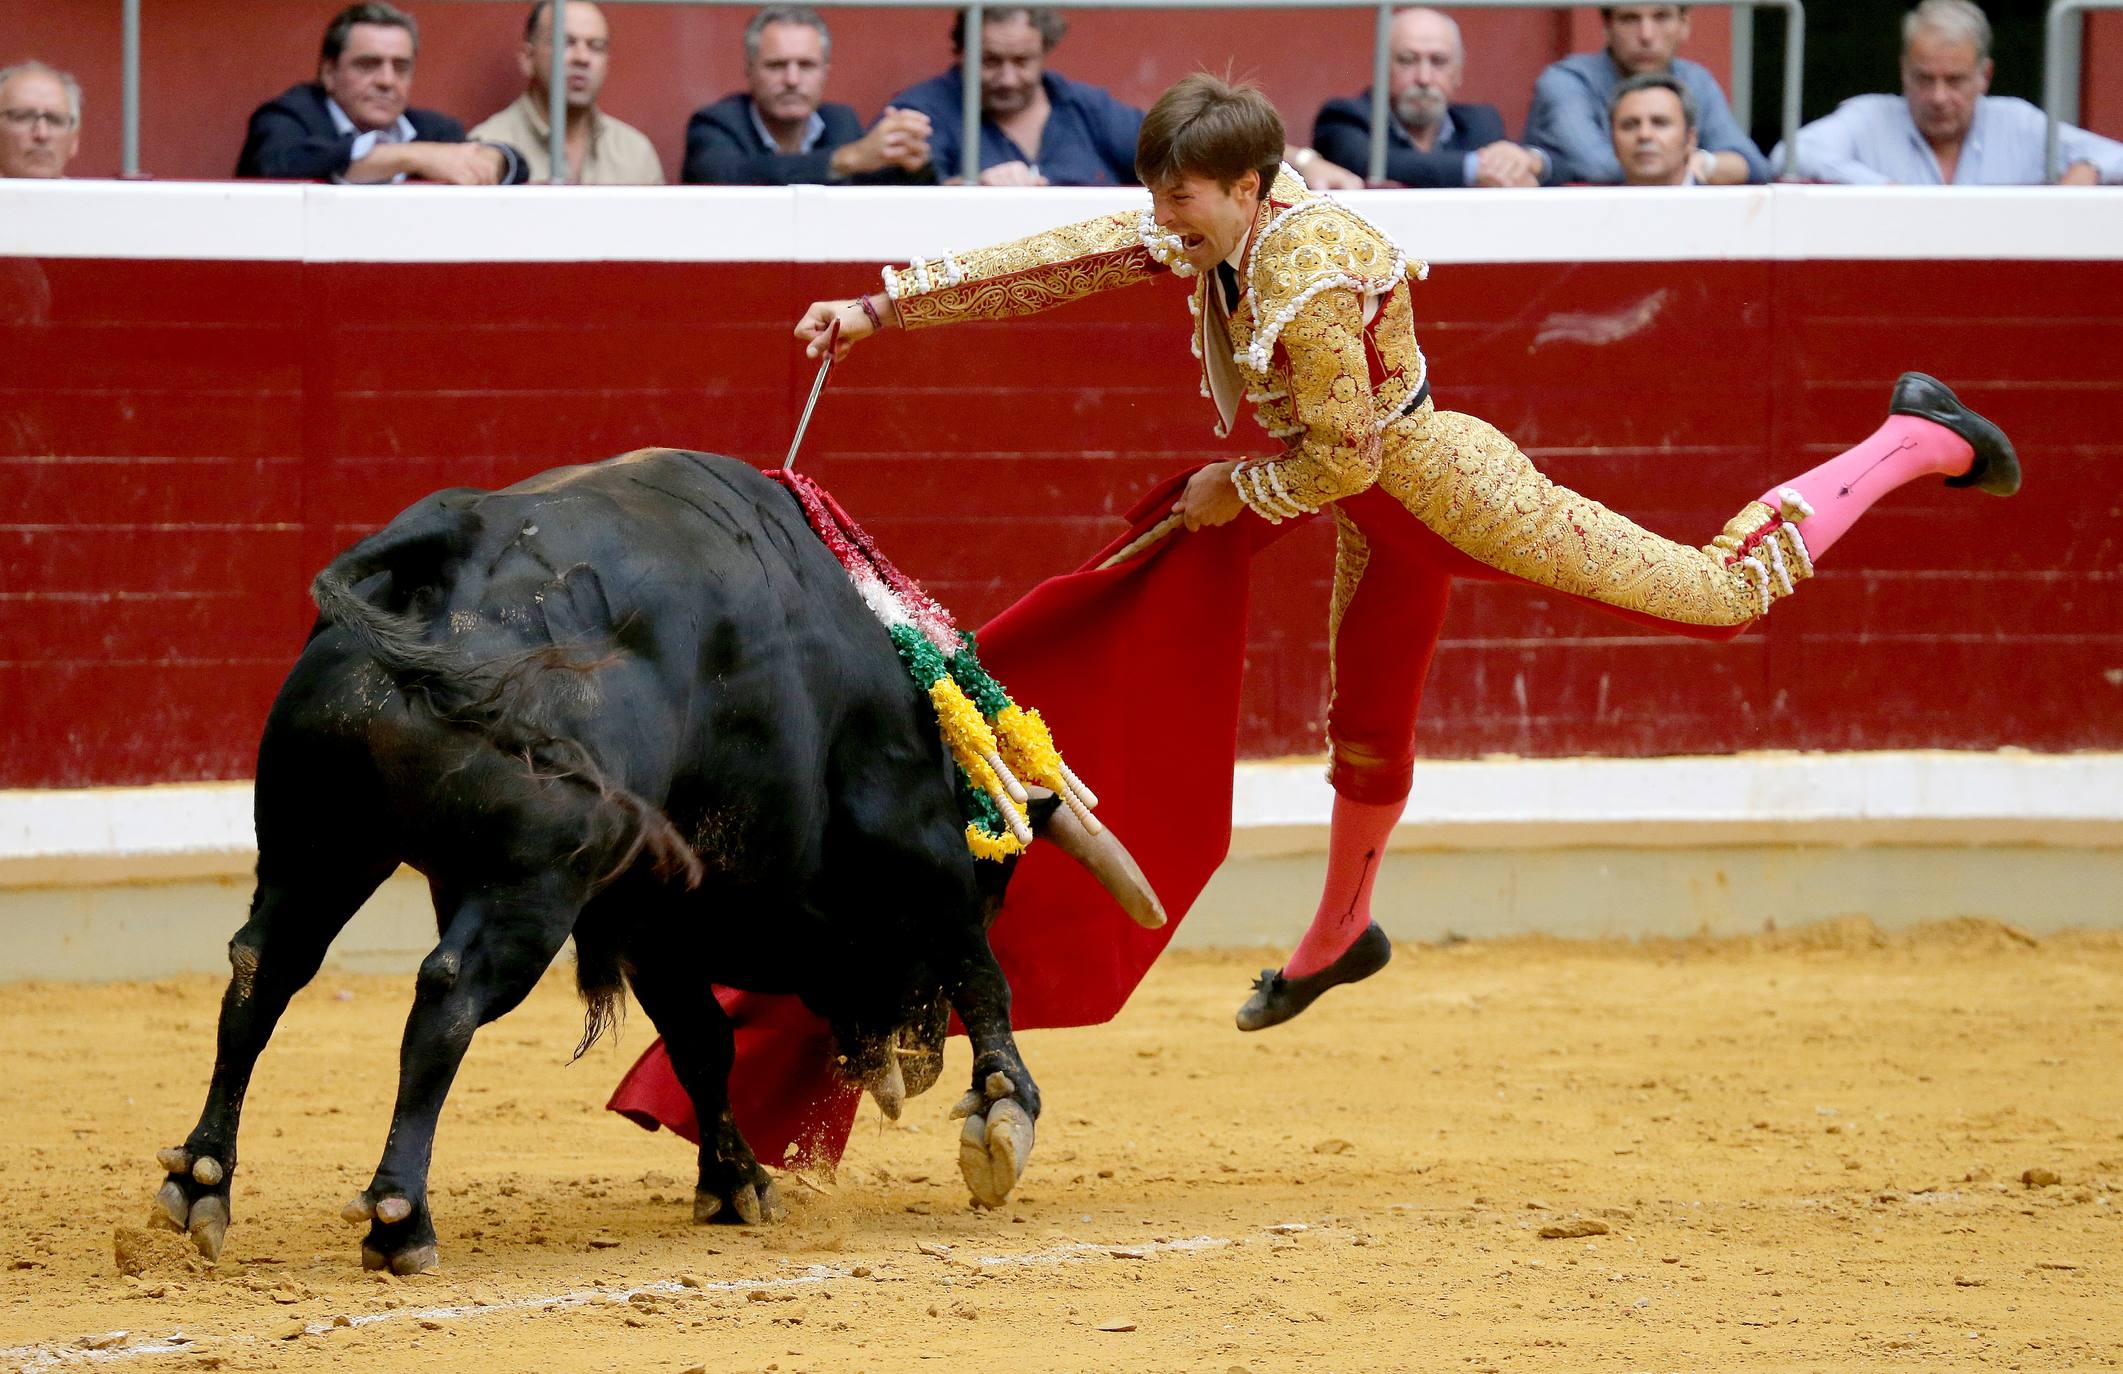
(1322, 341)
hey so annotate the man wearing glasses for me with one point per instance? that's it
(40, 121)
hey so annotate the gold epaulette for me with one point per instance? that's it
(1315, 245)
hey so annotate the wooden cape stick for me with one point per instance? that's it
(1143, 541)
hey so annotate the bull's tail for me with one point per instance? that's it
(397, 643)
(505, 700)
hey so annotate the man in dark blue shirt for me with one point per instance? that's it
(1430, 140)
(1036, 128)
(782, 131)
(355, 122)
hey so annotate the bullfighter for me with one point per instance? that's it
(1303, 310)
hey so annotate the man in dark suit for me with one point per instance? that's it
(354, 122)
(780, 132)
(1429, 140)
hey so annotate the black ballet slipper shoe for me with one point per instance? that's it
(1997, 468)
(1276, 999)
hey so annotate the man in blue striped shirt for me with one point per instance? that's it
(1944, 130)
(1568, 120)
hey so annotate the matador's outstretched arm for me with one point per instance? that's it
(1027, 275)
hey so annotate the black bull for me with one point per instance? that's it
(638, 703)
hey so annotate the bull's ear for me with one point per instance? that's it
(1103, 856)
(575, 606)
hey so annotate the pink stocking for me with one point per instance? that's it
(1843, 488)
(1356, 843)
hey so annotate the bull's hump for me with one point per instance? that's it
(554, 479)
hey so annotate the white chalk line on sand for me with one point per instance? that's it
(35, 1359)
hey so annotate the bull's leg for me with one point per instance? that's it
(295, 913)
(496, 943)
(733, 1186)
(920, 858)
(999, 1109)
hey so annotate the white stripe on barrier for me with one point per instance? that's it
(94, 836)
(250, 221)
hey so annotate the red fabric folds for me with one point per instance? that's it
(785, 1091)
(1137, 670)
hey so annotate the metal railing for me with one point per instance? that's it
(1381, 59)
(2061, 33)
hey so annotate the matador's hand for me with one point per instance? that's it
(1210, 498)
(855, 323)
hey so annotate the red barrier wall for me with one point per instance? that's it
(182, 445)
(206, 64)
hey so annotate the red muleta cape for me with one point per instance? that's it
(1136, 668)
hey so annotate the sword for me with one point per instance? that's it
(803, 421)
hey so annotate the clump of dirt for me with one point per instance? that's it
(1971, 935)
(1836, 935)
(143, 1252)
(815, 1220)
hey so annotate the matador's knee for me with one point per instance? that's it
(1364, 774)
(1763, 544)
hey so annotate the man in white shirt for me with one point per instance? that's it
(1945, 129)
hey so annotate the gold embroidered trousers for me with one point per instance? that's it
(1456, 499)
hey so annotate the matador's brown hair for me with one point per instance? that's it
(1206, 126)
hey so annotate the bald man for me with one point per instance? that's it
(1430, 141)
(602, 151)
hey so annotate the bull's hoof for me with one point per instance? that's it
(420, 1259)
(194, 1199)
(749, 1202)
(996, 1142)
(401, 1235)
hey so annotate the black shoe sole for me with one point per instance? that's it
(1996, 468)
(1278, 999)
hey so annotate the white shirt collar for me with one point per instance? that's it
(813, 131)
(401, 132)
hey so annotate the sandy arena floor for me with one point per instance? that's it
(1802, 1151)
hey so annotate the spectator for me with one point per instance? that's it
(1319, 172)
(1569, 116)
(1654, 123)
(1037, 128)
(353, 122)
(40, 120)
(780, 132)
(1429, 140)
(1945, 130)
(602, 151)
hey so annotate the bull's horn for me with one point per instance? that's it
(1105, 858)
